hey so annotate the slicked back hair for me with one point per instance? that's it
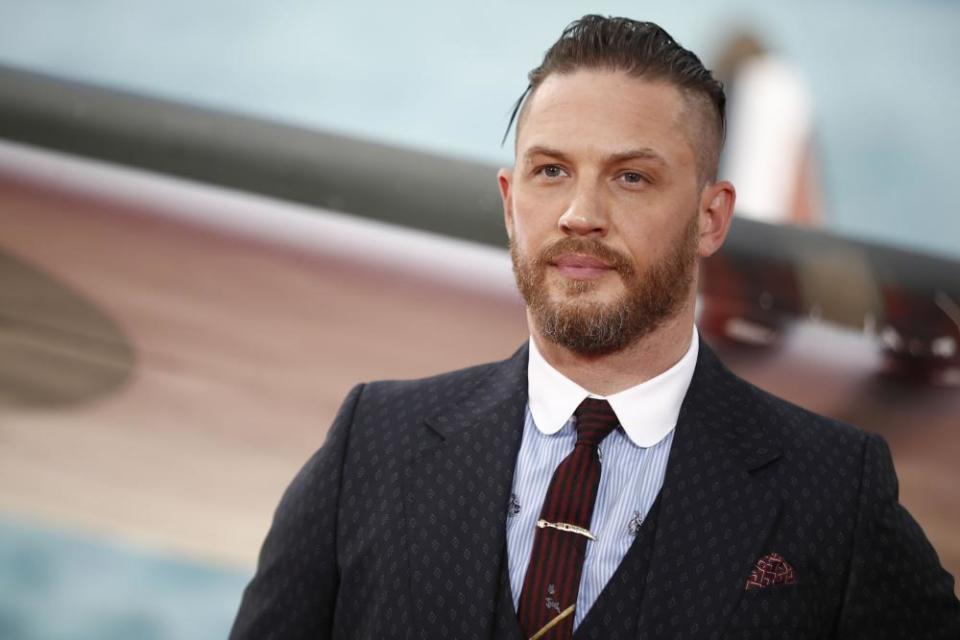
(639, 49)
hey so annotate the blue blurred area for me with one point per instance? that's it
(442, 76)
(60, 586)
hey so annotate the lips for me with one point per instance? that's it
(581, 267)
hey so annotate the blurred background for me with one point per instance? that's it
(217, 217)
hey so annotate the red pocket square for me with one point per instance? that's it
(771, 570)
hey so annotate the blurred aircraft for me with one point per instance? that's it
(186, 295)
(767, 278)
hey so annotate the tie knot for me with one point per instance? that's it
(595, 421)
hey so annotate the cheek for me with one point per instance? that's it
(650, 235)
(535, 213)
(540, 207)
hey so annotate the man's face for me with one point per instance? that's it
(602, 208)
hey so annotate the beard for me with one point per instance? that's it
(651, 297)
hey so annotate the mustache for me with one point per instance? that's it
(588, 247)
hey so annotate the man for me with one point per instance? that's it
(612, 479)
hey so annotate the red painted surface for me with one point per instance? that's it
(242, 350)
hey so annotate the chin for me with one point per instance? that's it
(588, 291)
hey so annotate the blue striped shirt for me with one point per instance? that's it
(631, 473)
(630, 479)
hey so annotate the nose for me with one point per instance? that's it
(586, 215)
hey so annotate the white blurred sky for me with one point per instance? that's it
(442, 76)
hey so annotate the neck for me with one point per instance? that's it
(641, 360)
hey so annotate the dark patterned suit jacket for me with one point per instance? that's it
(395, 528)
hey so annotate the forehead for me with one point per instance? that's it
(604, 111)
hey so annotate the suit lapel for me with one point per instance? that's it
(718, 504)
(457, 486)
(507, 625)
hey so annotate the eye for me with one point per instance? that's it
(551, 171)
(633, 177)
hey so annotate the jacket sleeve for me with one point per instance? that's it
(896, 587)
(294, 591)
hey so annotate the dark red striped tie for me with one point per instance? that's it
(549, 596)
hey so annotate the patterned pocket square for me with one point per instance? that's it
(771, 570)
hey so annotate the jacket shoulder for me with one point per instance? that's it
(420, 395)
(794, 423)
(756, 423)
(754, 412)
(798, 429)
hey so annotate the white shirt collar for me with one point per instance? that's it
(647, 411)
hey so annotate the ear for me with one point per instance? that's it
(716, 212)
(504, 181)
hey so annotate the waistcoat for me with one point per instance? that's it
(616, 613)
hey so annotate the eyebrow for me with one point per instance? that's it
(643, 153)
(541, 150)
(646, 153)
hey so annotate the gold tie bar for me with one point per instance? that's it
(563, 526)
